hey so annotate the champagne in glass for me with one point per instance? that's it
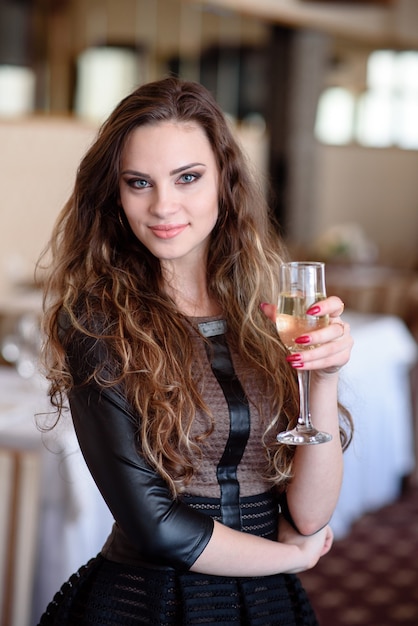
(301, 285)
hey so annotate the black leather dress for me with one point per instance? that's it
(142, 577)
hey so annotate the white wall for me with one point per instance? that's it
(38, 162)
(378, 189)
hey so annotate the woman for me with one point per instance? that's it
(177, 381)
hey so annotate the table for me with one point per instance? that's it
(71, 521)
(60, 517)
(19, 493)
(374, 288)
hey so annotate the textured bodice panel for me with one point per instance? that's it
(252, 463)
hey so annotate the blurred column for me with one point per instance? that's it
(190, 41)
(57, 34)
(17, 79)
(229, 61)
(146, 36)
(279, 73)
(309, 60)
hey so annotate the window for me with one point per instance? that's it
(335, 116)
(385, 114)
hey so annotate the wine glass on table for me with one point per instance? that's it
(301, 285)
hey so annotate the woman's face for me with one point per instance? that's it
(169, 190)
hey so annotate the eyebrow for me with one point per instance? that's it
(172, 173)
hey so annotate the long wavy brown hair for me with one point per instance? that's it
(110, 288)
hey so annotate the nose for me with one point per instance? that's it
(163, 203)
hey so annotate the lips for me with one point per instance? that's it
(168, 231)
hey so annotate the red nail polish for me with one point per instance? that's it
(314, 310)
(303, 339)
(296, 365)
(291, 358)
(262, 305)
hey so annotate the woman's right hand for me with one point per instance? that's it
(312, 547)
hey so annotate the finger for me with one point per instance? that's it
(335, 330)
(332, 306)
(329, 356)
(329, 539)
(339, 310)
(341, 327)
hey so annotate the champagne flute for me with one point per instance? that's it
(301, 285)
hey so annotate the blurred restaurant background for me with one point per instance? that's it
(323, 96)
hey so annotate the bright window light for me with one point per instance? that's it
(407, 71)
(17, 91)
(105, 75)
(406, 121)
(374, 119)
(381, 69)
(386, 114)
(334, 121)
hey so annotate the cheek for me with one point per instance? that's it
(131, 207)
(215, 204)
(210, 218)
(133, 216)
(216, 209)
(215, 216)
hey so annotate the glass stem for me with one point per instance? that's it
(304, 421)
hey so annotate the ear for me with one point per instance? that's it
(269, 311)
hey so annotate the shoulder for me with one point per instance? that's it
(88, 352)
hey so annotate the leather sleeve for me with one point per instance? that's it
(163, 530)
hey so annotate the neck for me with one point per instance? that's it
(200, 309)
(190, 293)
(194, 302)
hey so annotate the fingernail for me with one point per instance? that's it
(296, 365)
(303, 339)
(314, 310)
(262, 305)
(291, 358)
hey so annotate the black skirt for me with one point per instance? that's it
(106, 593)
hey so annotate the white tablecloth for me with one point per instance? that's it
(375, 387)
(74, 520)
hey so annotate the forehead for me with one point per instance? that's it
(165, 136)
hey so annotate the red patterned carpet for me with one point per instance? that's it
(370, 578)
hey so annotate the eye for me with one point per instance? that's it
(187, 178)
(138, 183)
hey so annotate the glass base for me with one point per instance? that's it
(303, 436)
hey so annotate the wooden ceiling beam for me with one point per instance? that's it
(375, 21)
